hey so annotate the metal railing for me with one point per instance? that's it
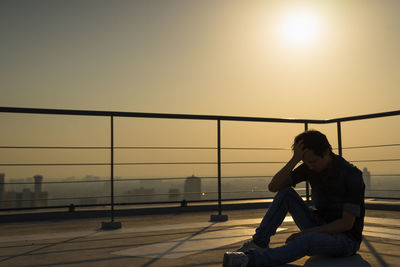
(218, 119)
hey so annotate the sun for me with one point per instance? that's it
(300, 27)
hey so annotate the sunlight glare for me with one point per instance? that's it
(300, 27)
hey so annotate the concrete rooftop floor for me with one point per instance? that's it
(180, 239)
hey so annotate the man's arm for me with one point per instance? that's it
(282, 178)
(338, 226)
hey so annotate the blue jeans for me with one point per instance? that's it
(312, 243)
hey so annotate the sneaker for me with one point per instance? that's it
(235, 259)
(250, 245)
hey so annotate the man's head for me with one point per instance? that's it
(317, 150)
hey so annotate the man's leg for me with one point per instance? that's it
(308, 244)
(286, 200)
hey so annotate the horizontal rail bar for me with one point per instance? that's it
(165, 179)
(255, 148)
(385, 198)
(155, 203)
(104, 147)
(371, 146)
(178, 148)
(149, 115)
(52, 199)
(168, 163)
(384, 190)
(363, 117)
(132, 163)
(130, 203)
(395, 174)
(188, 116)
(375, 160)
(141, 195)
(108, 196)
(58, 182)
(52, 164)
(139, 179)
(54, 147)
(139, 148)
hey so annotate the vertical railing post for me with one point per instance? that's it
(112, 224)
(339, 134)
(112, 168)
(219, 217)
(219, 167)
(307, 183)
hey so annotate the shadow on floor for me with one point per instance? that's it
(326, 261)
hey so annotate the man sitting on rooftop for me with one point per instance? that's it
(335, 225)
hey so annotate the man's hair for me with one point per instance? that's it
(314, 141)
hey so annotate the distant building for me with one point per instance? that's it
(27, 198)
(367, 178)
(39, 196)
(174, 194)
(192, 188)
(24, 199)
(18, 199)
(43, 199)
(11, 200)
(38, 188)
(2, 191)
(147, 183)
(87, 201)
(139, 195)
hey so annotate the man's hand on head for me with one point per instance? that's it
(298, 150)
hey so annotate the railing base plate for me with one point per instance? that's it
(110, 225)
(218, 218)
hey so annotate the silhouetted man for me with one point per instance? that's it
(333, 228)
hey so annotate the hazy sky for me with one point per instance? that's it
(201, 57)
(222, 57)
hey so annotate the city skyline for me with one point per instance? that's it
(93, 190)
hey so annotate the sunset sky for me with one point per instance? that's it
(297, 59)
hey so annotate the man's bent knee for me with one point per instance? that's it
(287, 191)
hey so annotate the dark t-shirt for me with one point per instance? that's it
(341, 189)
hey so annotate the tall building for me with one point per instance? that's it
(38, 185)
(27, 199)
(2, 191)
(367, 178)
(38, 189)
(192, 188)
(10, 200)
